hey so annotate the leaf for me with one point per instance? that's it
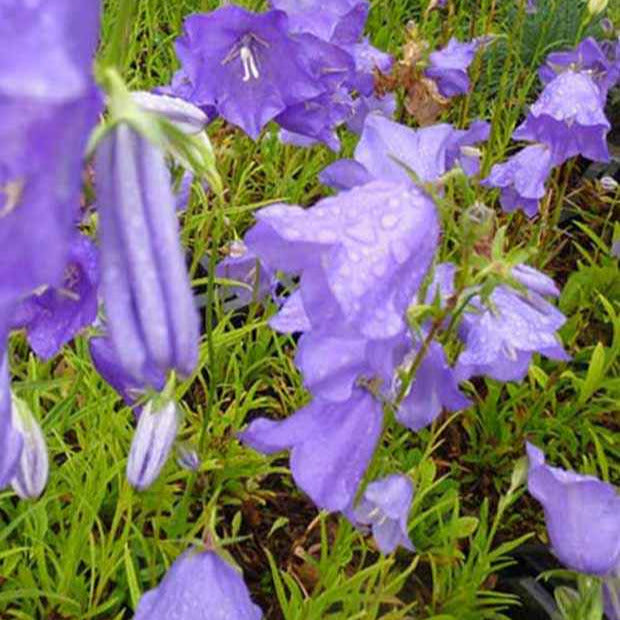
(595, 373)
(132, 579)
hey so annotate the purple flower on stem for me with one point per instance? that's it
(331, 445)
(200, 585)
(11, 440)
(368, 60)
(385, 506)
(569, 118)
(448, 67)
(147, 294)
(501, 338)
(535, 280)
(246, 65)
(522, 179)
(54, 316)
(582, 515)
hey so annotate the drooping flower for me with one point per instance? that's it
(385, 507)
(361, 255)
(582, 514)
(55, 315)
(200, 585)
(535, 280)
(33, 466)
(184, 115)
(501, 338)
(48, 105)
(246, 65)
(448, 67)
(331, 445)
(11, 440)
(152, 443)
(569, 118)
(148, 299)
(522, 179)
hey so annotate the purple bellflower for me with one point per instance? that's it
(368, 60)
(448, 67)
(331, 445)
(48, 105)
(55, 315)
(199, 585)
(152, 443)
(246, 65)
(522, 179)
(149, 304)
(187, 117)
(11, 440)
(33, 467)
(292, 316)
(501, 338)
(385, 507)
(569, 118)
(364, 106)
(582, 514)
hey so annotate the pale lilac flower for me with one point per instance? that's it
(148, 299)
(361, 255)
(385, 507)
(522, 179)
(11, 440)
(531, 7)
(363, 106)
(187, 457)
(442, 284)
(569, 118)
(501, 338)
(246, 65)
(331, 445)
(368, 60)
(535, 280)
(292, 316)
(186, 117)
(152, 443)
(55, 315)
(181, 87)
(582, 514)
(33, 466)
(200, 585)
(448, 67)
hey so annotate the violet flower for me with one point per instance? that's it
(368, 60)
(501, 338)
(522, 179)
(246, 65)
(331, 445)
(448, 67)
(569, 118)
(364, 106)
(11, 440)
(186, 117)
(582, 515)
(148, 299)
(152, 443)
(292, 316)
(385, 506)
(199, 585)
(54, 316)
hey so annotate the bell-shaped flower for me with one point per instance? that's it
(448, 67)
(535, 280)
(246, 65)
(152, 442)
(385, 507)
(149, 304)
(199, 585)
(501, 336)
(11, 440)
(48, 106)
(582, 514)
(522, 179)
(33, 466)
(361, 254)
(292, 316)
(368, 61)
(569, 118)
(589, 57)
(331, 445)
(54, 316)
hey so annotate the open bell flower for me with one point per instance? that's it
(152, 443)
(152, 319)
(448, 67)
(33, 466)
(199, 585)
(385, 506)
(582, 514)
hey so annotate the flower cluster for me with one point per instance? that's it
(302, 65)
(568, 119)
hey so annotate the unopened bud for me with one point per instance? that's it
(479, 214)
(33, 466)
(470, 151)
(187, 457)
(609, 184)
(151, 445)
(187, 117)
(596, 6)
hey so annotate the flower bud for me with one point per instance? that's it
(152, 442)
(596, 6)
(187, 117)
(10, 440)
(33, 466)
(187, 457)
(609, 184)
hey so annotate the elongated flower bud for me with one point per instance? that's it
(33, 466)
(10, 439)
(146, 289)
(184, 115)
(151, 445)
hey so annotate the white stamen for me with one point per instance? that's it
(250, 70)
(13, 192)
